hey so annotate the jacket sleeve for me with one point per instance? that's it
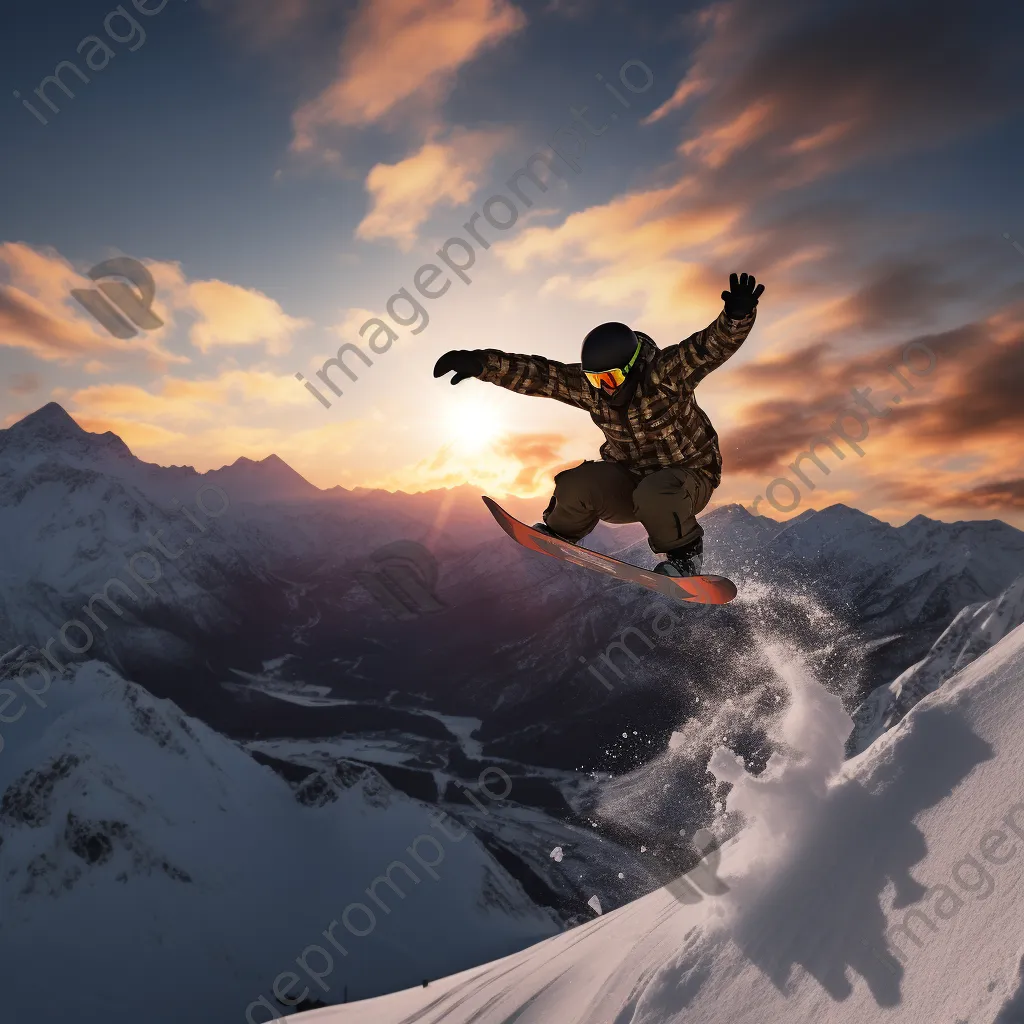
(693, 359)
(535, 375)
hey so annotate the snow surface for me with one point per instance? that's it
(159, 819)
(974, 630)
(925, 829)
(165, 870)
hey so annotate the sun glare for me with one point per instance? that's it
(471, 423)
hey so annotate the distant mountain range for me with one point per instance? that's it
(240, 616)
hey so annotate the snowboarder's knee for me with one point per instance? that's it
(578, 480)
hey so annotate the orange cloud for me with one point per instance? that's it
(27, 324)
(630, 250)
(224, 314)
(39, 314)
(637, 226)
(177, 403)
(539, 456)
(425, 45)
(791, 93)
(670, 295)
(232, 315)
(688, 88)
(440, 173)
(999, 494)
(718, 143)
(823, 137)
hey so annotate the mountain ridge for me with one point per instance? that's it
(53, 424)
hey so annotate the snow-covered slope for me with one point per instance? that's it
(888, 887)
(975, 629)
(271, 582)
(149, 867)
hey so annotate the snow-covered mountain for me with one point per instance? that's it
(975, 629)
(270, 576)
(247, 564)
(251, 614)
(900, 585)
(152, 863)
(888, 888)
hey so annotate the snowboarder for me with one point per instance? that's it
(660, 461)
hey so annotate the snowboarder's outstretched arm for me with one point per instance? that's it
(693, 359)
(525, 375)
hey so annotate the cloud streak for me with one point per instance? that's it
(400, 52)
(440, 173)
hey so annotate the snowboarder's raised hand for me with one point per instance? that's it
(742, 296)
(466, 364)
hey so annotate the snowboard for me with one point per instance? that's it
(692, 589)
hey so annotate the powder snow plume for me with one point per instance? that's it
(791, 647)
(778, 806)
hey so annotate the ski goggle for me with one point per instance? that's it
(609, 380)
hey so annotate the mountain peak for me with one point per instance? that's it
(837, 513)
(732, 509)
(52, 421)
(269, 479)
(52, 427)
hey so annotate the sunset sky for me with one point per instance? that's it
(284, 167)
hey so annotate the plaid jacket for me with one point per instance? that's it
(663, 425)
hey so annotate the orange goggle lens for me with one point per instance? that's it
(612, 379)
(607, 379)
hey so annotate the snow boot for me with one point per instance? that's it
(544, 528)
(688, 561)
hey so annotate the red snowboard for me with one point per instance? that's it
(693, 589)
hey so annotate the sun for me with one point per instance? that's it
(470, 423)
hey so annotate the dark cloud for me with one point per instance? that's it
(788, 97)
(846, 80)
(1002, 494)
(262, 22)
(977, 371)
(902, 292)
(779, 430)
(299, 39)
(984, 401)
(996, 496)
(796, 365)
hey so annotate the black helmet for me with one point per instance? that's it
(610, 355)
(608, 347)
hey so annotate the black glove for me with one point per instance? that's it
(742, 296)
(465, 364)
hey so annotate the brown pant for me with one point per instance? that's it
(666, 502)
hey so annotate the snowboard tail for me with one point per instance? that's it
(690, 589)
